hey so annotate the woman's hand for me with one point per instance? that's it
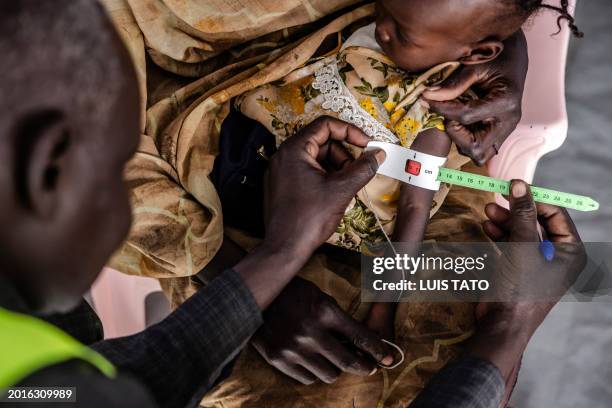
(480, 127)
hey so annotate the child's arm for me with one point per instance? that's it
(412, 216)
(415, 203)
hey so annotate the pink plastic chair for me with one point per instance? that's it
(543, 127)
(120, 302)
(120, 299)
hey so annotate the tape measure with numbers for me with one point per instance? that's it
(541, 195)
(425, 171)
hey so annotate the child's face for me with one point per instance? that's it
(418, 35)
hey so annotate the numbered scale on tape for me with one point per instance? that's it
(426, 171)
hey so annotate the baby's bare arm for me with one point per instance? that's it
(415, 202)
(412, 216)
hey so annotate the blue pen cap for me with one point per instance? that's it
(547, 249)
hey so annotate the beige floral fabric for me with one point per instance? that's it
(177, 226)
(192, 57)
(197, 37)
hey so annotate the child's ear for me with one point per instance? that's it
(482, 52)
(43, 143)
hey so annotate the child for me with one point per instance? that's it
(375, 82)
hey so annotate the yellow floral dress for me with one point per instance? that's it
(363, 87)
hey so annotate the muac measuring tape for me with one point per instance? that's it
(426, 171)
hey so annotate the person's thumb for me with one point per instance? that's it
(523, 213)
(354, 176)
(454, 86)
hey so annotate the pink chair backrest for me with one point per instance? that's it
(543, 127)
(119, 300)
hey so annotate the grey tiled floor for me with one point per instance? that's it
(569, 362)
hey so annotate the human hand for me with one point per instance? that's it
(525, 285)
(381, 319)
(311, 181)
(479, 127)
(524, 274)
(300, 337)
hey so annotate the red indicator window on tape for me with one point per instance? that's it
(413, 167)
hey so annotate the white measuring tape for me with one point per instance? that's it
(412, 167)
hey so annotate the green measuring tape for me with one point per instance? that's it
(542, 195)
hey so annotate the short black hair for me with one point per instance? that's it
(60, 53)
(529, 7)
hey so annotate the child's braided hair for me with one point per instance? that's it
(528, 7)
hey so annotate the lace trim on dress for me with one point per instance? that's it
(340, 100)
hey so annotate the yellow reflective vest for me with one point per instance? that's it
(28, 344)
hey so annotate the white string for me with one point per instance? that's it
(399, 350)
(395, 346)
(371, 206)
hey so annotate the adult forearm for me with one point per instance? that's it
(483, 377)
(265, 271)
(183, 355)
(226, 257)
(502, 336)
(269, 268)
(466, 383)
